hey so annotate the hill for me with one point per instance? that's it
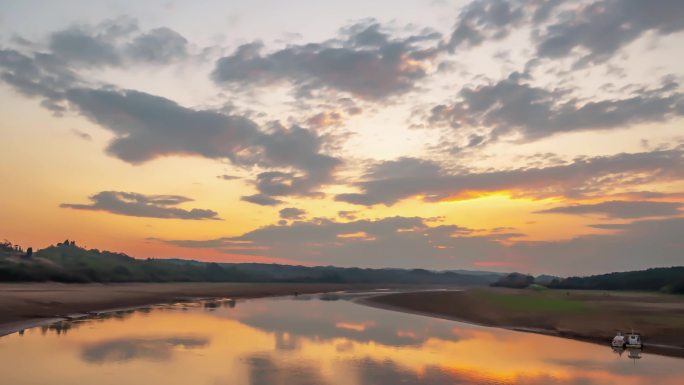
(68, 262)
(665, 279)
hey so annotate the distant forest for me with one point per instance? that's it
(68, 262)
(664, 279)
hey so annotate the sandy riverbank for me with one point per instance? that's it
(585, 315)
(30, 304)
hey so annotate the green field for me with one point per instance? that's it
(533, 302)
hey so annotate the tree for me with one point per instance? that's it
(515, 280)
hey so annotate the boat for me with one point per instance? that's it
(618, 341)
(633, 340)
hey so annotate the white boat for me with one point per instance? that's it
(618, 341)
(633, 340)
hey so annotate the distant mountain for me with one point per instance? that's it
(665, 279)
(67, 262)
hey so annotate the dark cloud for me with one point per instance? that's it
(514, 106)
(48, 71)
(160, 45)
(116, 43)
(483, 20)
(126, 349)
(596, 31)
(392, 181)
(620, 209)
(366, 62)
(298, 148)
(37, 75)
(139, 205)
(262, 200)
(292, 213)
(227, 177)
(148, 126)
(486, 20)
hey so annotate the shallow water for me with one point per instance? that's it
(306, 340)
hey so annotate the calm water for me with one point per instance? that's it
(307, 341)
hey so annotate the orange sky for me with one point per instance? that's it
(495, 134)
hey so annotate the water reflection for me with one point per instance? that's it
(308, 340)
(130, 348)
(265, 369)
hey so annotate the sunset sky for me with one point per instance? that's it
(539, 136)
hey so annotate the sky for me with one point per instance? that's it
(540, 136)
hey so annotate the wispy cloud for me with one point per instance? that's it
(140, 205)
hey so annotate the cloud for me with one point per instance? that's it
(637, 245)
(161, 45)
(412, 242)
(348, 215)
(483, 20)
(391, 181)
(39, 75)
(115, 43)
(81, 134)
(262, 200)
(227, 177)
(594, 31)
(49, 70)
(292, 213)
(513, 106)
(365, 62)
(597, 30)
(492, 20)
(79, 47)
(395, 241)
(620, 209)
(126, 349)
(139, 205)
(298, 148)
(325, 119)
(148, 126)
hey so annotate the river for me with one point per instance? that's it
(328, 340)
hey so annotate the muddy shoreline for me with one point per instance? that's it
(26, 305)
(588, 326)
